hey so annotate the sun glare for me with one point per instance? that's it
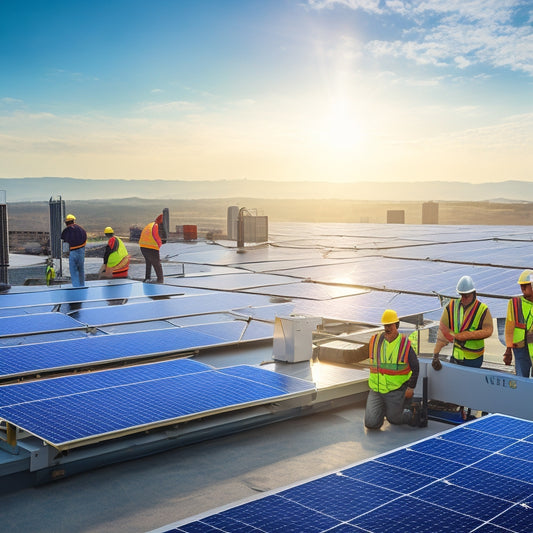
(341, 129)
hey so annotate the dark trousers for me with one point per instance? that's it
(151, 257)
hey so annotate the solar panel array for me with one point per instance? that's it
(70, 410)
(348, 272)
(476, 477)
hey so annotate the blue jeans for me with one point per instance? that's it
(76, 261)
(522, 362)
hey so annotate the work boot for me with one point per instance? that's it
(415, 415)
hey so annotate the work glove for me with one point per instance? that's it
(507, 357)
(409, 392)
(436, 364)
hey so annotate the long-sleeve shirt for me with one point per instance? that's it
(75, 235)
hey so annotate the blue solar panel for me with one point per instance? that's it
(368, 307)
(110, 291)
(173, 307)
(444, 483)
(18, 325)
(312, 291)
(32, 358)
(39, 390)
(51, 412)
(229, 282)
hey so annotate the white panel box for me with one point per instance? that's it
(293, 338)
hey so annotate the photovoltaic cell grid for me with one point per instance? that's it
(112, 291)
(72, 410)
(55, 355)
(19, 325)
(171, 308)
(476, 477)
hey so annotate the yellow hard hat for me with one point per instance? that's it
(525, 277)
(109, 229)
(389, 317)
(70, 217)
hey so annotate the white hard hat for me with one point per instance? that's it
(465, 285)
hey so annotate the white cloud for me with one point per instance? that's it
(366, 5)
(10, 101)
(457, 33)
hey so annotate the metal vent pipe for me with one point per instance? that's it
(4, 242)
(166, 220)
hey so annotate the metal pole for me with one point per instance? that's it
(4, 243)
(240, 228)
(166, 221)
(57, 215)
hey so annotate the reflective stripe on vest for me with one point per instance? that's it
(388, 375)
(472, 321)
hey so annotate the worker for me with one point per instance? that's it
(76, 237)
(519, 327)
(153, 236)
(393, 375)
(116, 257)
(465, 322)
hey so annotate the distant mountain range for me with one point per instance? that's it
(42, 189)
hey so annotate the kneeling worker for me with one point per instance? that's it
(393, 375)
(116, 257)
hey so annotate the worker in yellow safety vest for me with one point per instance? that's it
(519, 327)
(466, 322)
(116, 257)
(393, 375)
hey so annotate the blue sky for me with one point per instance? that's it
(333, 90)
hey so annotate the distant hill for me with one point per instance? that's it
(41, 189)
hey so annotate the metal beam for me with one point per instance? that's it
(478, 388)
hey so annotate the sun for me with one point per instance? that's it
(341, 129)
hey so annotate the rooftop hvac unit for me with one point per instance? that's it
(293, 338)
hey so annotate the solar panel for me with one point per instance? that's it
(19, 325)
(312, 291)
(476, 477)
(229, 282)
(422, 277)
(110, 291)
(368, 307)
(171, 308)
(52, 356)
(72, 410)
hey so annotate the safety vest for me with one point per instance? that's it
(119, 260)
(521, 324)
(389, 363)
(467, 319)
(150, 237)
